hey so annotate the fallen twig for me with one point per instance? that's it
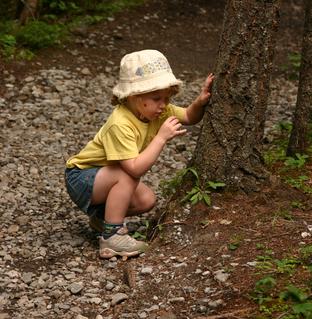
(232, 314)
(129, 275)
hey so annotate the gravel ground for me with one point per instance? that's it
(49, 267)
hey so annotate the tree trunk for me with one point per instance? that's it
(228, 148)
(298, 141)
(29, 10)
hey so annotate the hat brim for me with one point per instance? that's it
(159, 82)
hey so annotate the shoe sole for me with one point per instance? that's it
(109, 253)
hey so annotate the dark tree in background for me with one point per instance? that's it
(228, 148)
(22, 10)
(29, 10)
(298, 141)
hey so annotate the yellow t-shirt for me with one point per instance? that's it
(123, 136)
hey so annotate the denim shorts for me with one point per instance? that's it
(79, 184)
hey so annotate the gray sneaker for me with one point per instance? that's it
(121, 244)
(96, 223)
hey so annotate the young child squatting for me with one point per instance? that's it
(103, 179)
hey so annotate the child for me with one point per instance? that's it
(104, 178)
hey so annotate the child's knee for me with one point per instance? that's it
(130, 180)
(149, 200)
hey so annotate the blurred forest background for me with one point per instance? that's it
(28, 25)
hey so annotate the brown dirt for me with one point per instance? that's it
(188, 33)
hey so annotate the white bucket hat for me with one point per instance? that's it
(142, 72)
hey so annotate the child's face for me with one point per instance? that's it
(152, 104)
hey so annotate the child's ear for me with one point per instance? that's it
(132, 100)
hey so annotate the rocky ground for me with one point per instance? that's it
(50, 108)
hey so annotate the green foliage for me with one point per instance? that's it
(302, 304)
(286, 265)
(293, 66)
(142, 235)
(197, 193)
(296, 162)
(297, 204)
(111, 7)
(234, 243)
(300, 183)
(25, 54)
(277, 300)
(8, 27)
(38, 34)
(306, 253)
(280, 266)
(56, 18)
(169, 187)
(284, 214)
(263, 287)
(138, 235)
(284, 126)
(277, 150)
(59, 6)
(7, 44)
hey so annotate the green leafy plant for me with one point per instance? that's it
(293, 65)
(260, 246)
(297, 161)
(111, 7)
(277, 149)
(38, 34)
(197, 194)
(7, 43)
(233, 246)
(25, 54)
(302, 303)
(282, 213)
(306, 254)
(265, 263)
(286, 265)
(62, 6)
(56, 19)
(235, 242)
(142, 235)
(263, 287)
(280, 266)
(138, 235)
(274, 298)
(284, 126)
(300, 183)
(297, 204)
(170, 186)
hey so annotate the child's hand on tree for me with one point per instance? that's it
(170, 128)
(205, 93)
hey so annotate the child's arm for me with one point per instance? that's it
(138, 166)
(195, 111)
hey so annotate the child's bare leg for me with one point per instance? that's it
(123, 194)
(116, 188)
(120, 192)
(143, 200)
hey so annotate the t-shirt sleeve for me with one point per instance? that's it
(120, 143)
(177, 111)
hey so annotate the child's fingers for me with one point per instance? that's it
(172, 120)
(181, 132)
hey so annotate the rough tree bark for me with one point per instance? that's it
(298, 141)
(228, 148)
